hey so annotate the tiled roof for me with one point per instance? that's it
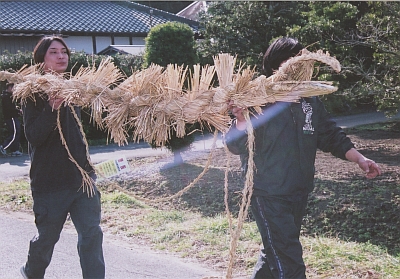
(69, 17)
(123, 49)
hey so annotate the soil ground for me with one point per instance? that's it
(344, 203)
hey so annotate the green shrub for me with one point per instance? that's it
(170, 43)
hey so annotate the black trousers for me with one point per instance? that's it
(279, 221)
(51, 210)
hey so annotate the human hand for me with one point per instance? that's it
(236, 111)
(241, 123)
(55, 102)
(371, 168)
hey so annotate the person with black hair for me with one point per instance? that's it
(11, 114)
(57, 173)
(287, 136)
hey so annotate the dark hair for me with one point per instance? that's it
(280, 51)
(43, 45)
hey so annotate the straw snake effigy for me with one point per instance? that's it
(154, 102)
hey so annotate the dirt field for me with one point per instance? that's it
(344, 203)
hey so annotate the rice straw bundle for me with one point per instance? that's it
(128, 104)
(300, 68)
(169, 113)
(20, 75)
(82, 89)
(199, 106)
(165, 110)
(199, 94)
(89, 87)
(288, 84)
(154, 102)
(29, 81)
(155, 113)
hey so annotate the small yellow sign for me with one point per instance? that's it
(112, 167)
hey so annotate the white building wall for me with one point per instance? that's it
(120, 41)
(102, 43)
(80, 43)
(84, 43)
(138, 41)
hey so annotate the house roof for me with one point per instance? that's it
(122, 49)
(81, 17)
(192, 11)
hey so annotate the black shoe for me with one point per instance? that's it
(2, 151)
(16, 153)
(22, 269)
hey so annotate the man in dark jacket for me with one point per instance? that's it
(287, 136)
(11, 117)
(59, 165)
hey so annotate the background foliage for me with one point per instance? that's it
(170, 43)
(364, 36)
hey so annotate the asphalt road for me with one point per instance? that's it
(123, 260)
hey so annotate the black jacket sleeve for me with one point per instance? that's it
(331, 137)
(236, 140)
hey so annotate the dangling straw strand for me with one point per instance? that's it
(226, 197)
(87, 181)
(246, 198)
(78, 121)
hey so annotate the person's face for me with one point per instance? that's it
(56, 58)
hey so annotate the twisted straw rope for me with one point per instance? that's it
(246, 197)
(87, 181)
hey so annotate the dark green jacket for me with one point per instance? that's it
(285, 148)
(51, 168)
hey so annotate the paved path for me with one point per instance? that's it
(363, 118)
(123, 260)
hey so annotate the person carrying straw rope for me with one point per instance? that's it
(59, 167)
(286, 138)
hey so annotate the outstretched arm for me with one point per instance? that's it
(371, 168)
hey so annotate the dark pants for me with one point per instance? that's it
(279, 221)
(51, 210)
(11, 143)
